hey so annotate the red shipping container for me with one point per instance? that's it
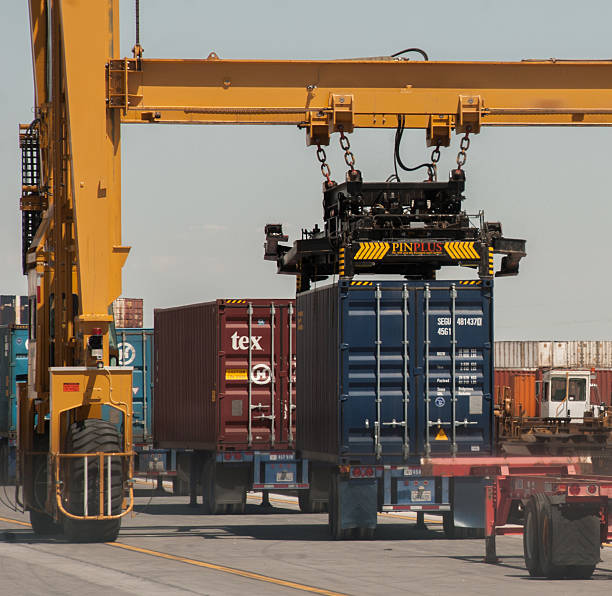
(225, 375)
(602, 393)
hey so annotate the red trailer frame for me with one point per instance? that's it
(551, 481)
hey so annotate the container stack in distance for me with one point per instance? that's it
(128, 313)
(519, 366)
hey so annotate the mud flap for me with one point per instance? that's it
(469, 502)
(358, 501)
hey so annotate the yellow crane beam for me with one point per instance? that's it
(322, 95)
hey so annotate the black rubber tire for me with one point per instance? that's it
(180, 487)
(91, 436)
(365, 533)
(531, 533)
(307, 505)
(580, 571)
(210, 506)
(545, 525)
(236, 508)
(43, 524)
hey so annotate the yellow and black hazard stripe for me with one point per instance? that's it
(232, 301)
(341, 263)
(371, 251)
(491, 265)
(461, 251)
(362, 283)
(470, 282)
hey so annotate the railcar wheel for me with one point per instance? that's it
(93, 436)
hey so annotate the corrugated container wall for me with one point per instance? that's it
(369, 355)
(603, 392)
(128, 312)
(519, 385)
(553, 354)
(136, 350)
(225, 375)
(13, 369)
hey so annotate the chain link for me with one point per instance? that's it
(464, 145)
(322, 157)
(345, 144)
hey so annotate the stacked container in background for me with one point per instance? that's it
(128, 312)
(519, 366)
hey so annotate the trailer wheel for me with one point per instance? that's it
(209, 496)
(365, 533)
(307, 505)
(93, 436)
(545, 525)
(580, 571)
(531, 535)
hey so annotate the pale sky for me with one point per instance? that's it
(196, 199)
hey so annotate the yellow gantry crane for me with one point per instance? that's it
(74, 448)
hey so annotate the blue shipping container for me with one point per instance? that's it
(390, 371)
(136, 350)
(13, 369)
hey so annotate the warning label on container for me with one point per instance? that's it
(71, 387)
(441, 436)
(236, 374)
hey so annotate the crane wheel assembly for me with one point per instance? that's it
(85, 495)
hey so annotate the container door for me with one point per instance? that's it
(455, 343)
(18, 371)
(135, 350)
(258, 353)
(377, 374)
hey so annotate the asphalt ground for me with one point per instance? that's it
(168, 547)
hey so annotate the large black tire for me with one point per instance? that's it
(307, 505)
(572, 531)
(531, 541)
(43, 524)
(180, 487)
(210, 506)
(91, 436)
(549, 570)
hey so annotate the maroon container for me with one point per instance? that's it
(205, 397)
(603, 391)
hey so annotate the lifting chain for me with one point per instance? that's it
(322, 157)
(349, 158)
(463, 147)
(435, 158)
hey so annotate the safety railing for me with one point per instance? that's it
(105, 477)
